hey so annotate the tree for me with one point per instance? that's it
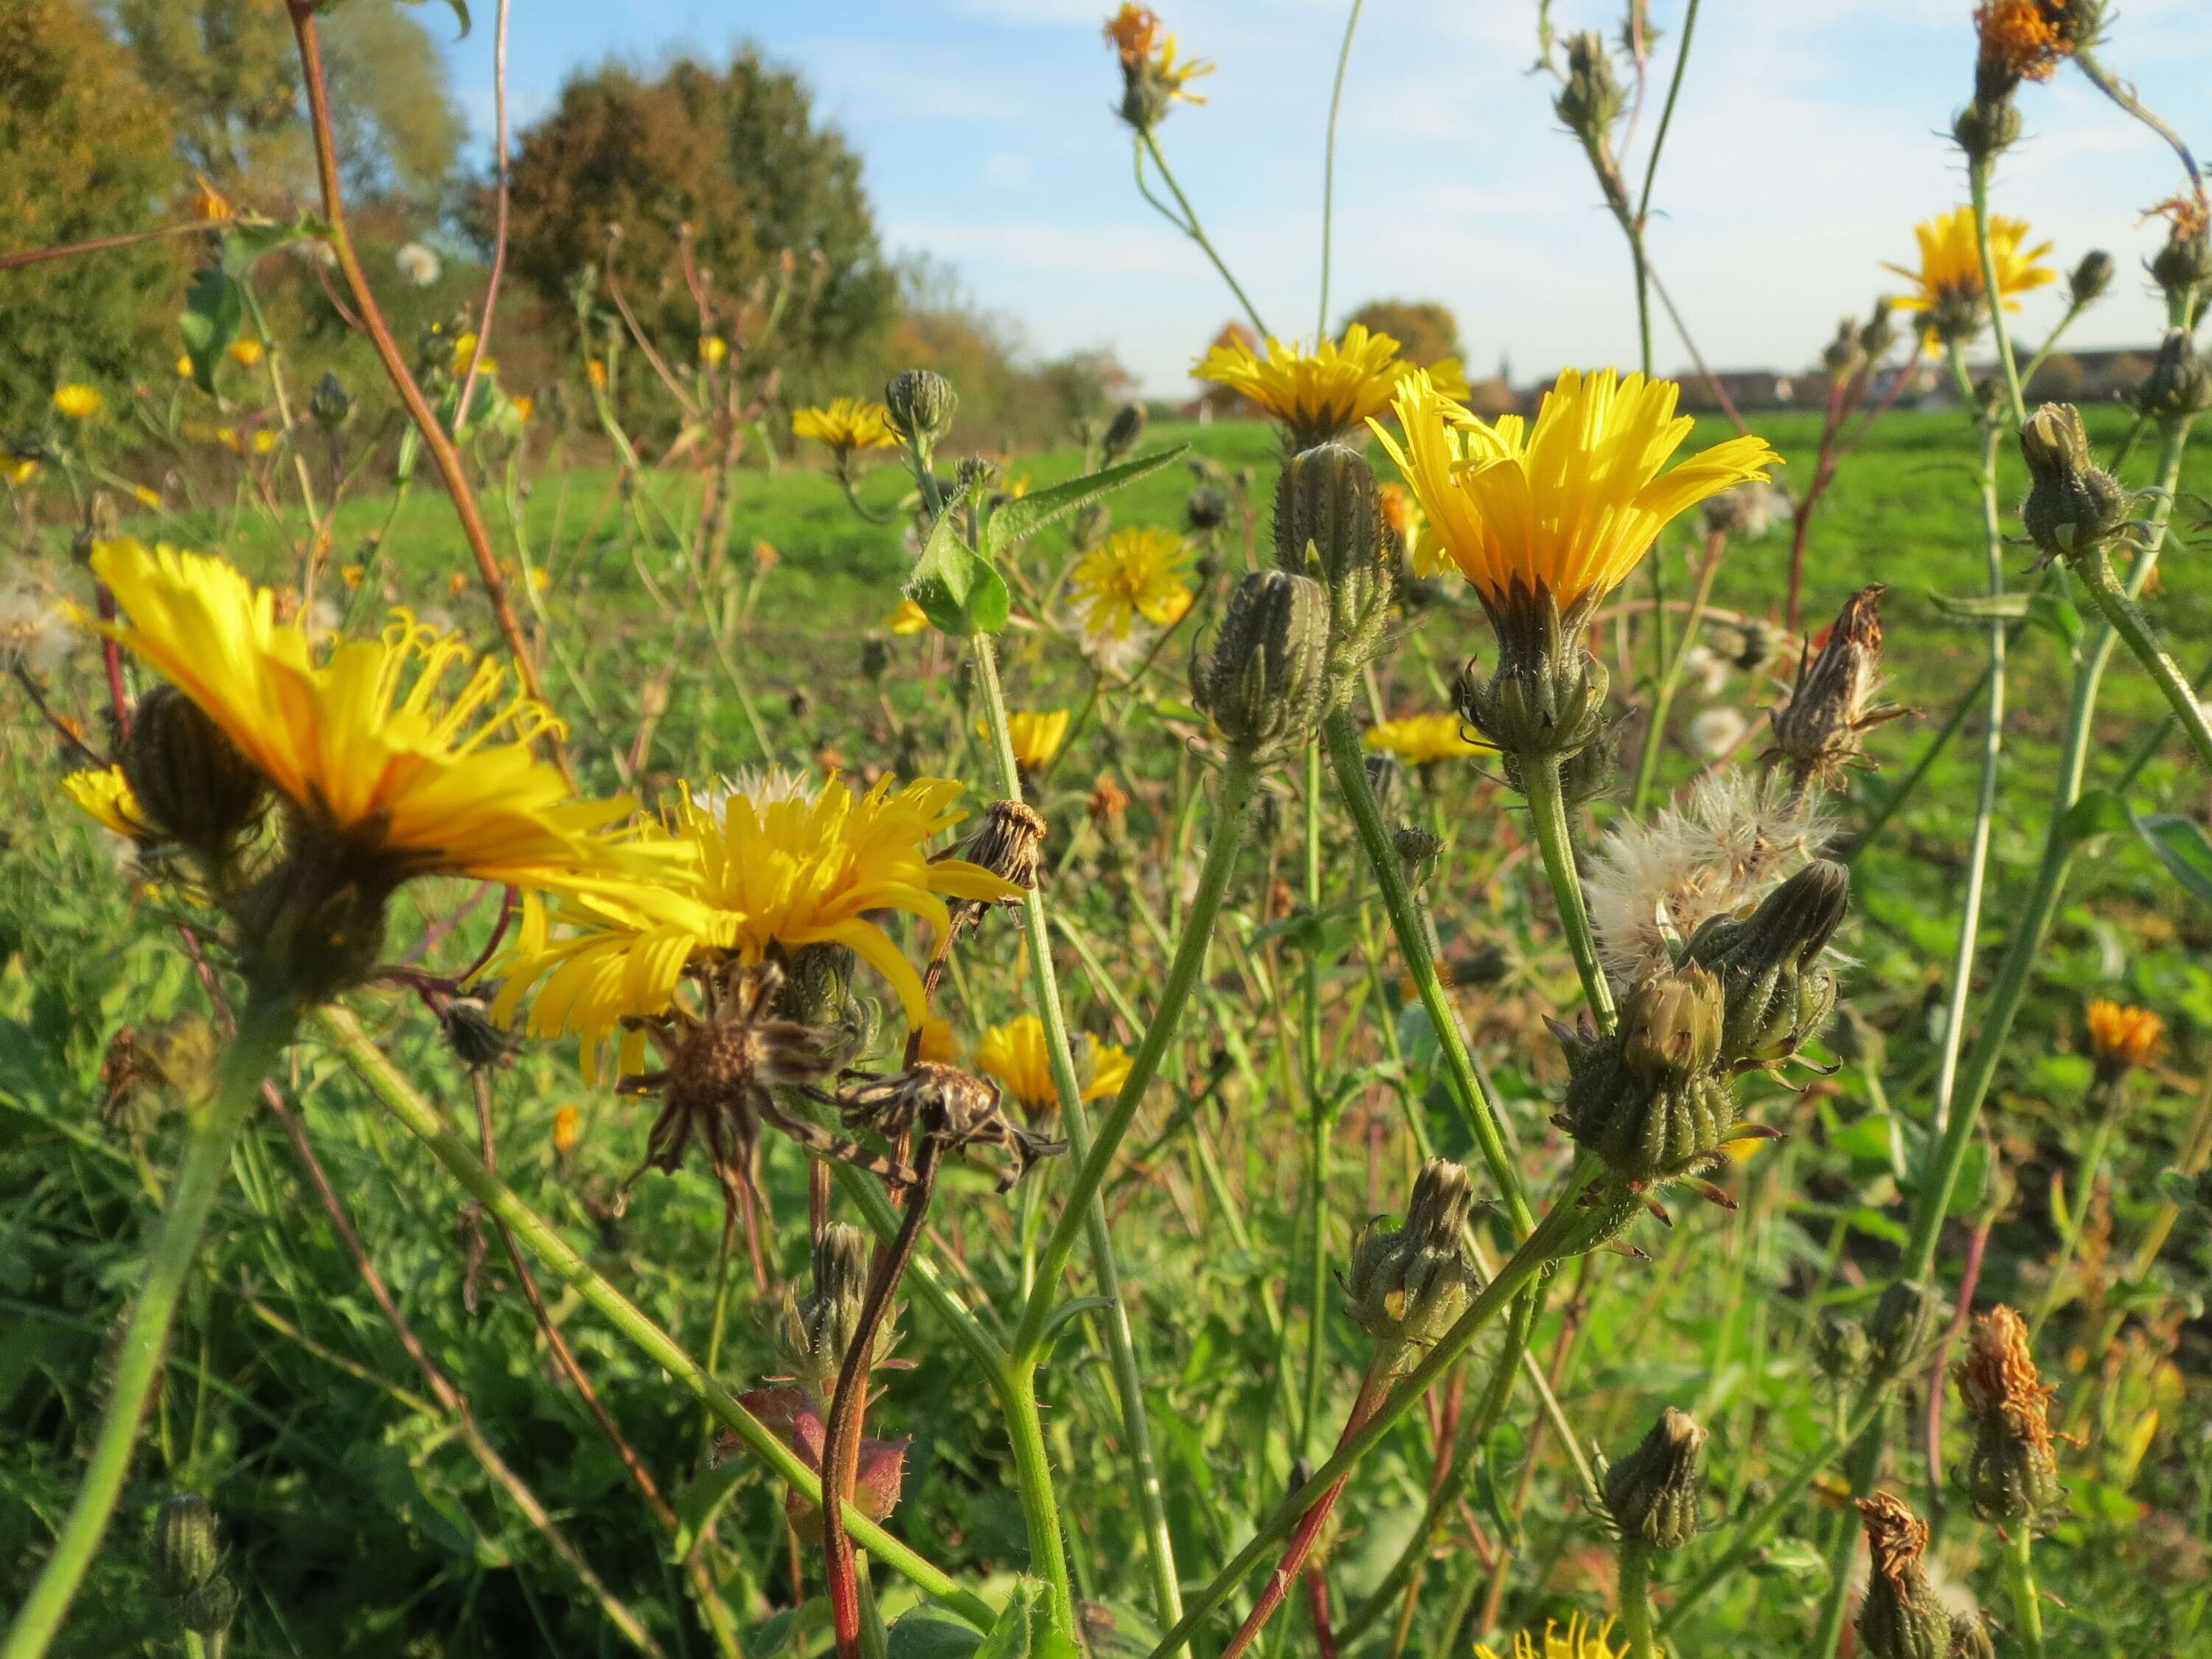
(84, 152)
(735, 155)
(230, 71)
(1426, 331)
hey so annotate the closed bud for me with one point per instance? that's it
(1904, 1328)
(186, 1548)
(207, 1611)
(1776, 995)
(1410, 1284)
(1756, 644)
(1970, 1638)
(817, 1329)
(1644, 1097)
(2012, 1476)
(1880, 332)
(1592, 100)
(1821, 730)
(1986, 128)
(1670, 1024)
(330, 404)
(2183, 267)
(1843, 356)
(1902, 1616)
(1122, 433)
(1264, 681)
(920, 403)
(1089, 526)
(1652, 1494)
(2179, 386)
(875, 658)
(2087, 283)
(1206, 508)
(978, 475)
(190, 780)
(2074, 509)
(1841, 1348)
(1417, 849)
(476, 1041)
(1328, 526)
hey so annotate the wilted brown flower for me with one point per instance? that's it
(2013, 1475)
(1902, 1617)
(956, 1109)
(1818, 730)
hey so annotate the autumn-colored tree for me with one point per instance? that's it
(1426, 332)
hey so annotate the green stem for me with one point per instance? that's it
(1318, 1118)
(1190, 227)
(264, 1031)
(2130, 623)
(2114, 1091)
(1633, 1603)
(1861, 1466)
(427, 1125)
(1662, 700)
(2026, 1599)
(1329, 166)
(1977, 182)
(1547, 816)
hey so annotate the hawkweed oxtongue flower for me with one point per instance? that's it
(1820, 730)
(1265, 684)
(1132, 574)
(1651, 1495)
(1948, 288)
(1577, 1639)
(1408, 1284)
(385, 777)
(2121, 1038)
(1422, 740)
(1036, 736)
(1776, 993)
(1152, 79)
(846, 425)
(1902, 1616)
(1016, 1056)
(2074, 509)
(1546, 519)
(1324, 393)
(2012, 1475)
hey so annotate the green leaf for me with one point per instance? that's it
(2181, 846)
(1026, 515)
(1789, 1557)
(1025, 1630)
(213, 311)
(698, 1504)
(2099, 812)
(933, 1632)
(793, 1624)
(2008, 607)
(2055, 615)
(243, 244)
(460, 10)
(959, 592)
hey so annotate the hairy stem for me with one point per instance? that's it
(1547, 817)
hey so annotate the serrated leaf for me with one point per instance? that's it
(213, 311)
(2182, 847)
(1026, 515)
(933, 1632)
(957, 589)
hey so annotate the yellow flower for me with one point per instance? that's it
(778, 860)
(208, 202)
(1949, 280)
(18, 472)
(184, 366)
(713, 349)
(103, 795)
(264, 439)
(1579, 1642)
(937, 1043)
(522, 406)
(1411, 526)
(1417, 740)
(596, 373)
(1136, 572)
(1566, 507)
(909, 618)
(363, 747)
(1036, 735)
(351, 574)
(79, 402)
(1015, 1056)
(2121, 1037)
(567, 1130)
(541, 580)
(245, 352)
(465, 347)
(1322, 393)
(847, 424)
(144, 497)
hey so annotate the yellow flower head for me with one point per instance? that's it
(1403, 514)
(937, 1043)
(779, 861)
(79, 402)
(713, 349)
(465, 348)
(1016, 1057)
(2121, 1037)
(522, 407)
(1578, 1641)
(567, 1130)
(102, 794)
(1036, 735)
(1323, 394)
(245, 353)
(208, 202)
(1948, 284)
(184, 366)
(909, 618)
(1151, 79)
(18, 472)
(369, 753)
(847, 424)
(1417, 740)
(1134, 572)
(1567, 506)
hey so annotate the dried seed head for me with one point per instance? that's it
(185, 1550)
(190, 780)
(1652, 1493)
(1820, 729)
(1902, 1617)
(1264, 682)
(1108, 807)
(956, 1109)
(2074, 509)
(1747, 511)
(1409, 1284)
(1777, 992)
(2013, 1474)
(1008, 842)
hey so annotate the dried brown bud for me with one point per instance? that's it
(1818, 731)
(1008, 842)
(2013, 1474)
(1902, 1617)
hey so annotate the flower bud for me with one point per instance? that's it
(920, 403)
(1757, 640)
(1776, 995)
(1328, 526)
(1652, 1493)
(875, 658)
(1546, 696)
(1417, 849)
(1841, 1349)
(1880, 332)
(1902, 1617)
(186, 1548)
(1970, 1639)
(1206, 508)
(1089, 526)
(2087, 283)
(817, 1329)
(190, 780)
(313, 926)
(1841, 356)
(1122, 433)
(1264, 681)
(1820, 729)
(2074, 509)
(1411, 1284)
(2182, 265)
(1592, 100)
(1904, 1328)
(1644, 1097)
(330, 404)
(476, 1041)
(978, 475)
(1986, 128)
(2012, 1476)
(2178, 385)
(1670, 1024)
(207, 1611)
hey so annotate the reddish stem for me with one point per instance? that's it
(1968, 1278)
(37, 256)
(1317, 1599)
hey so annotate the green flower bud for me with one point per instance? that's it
(1776, 993)
(1207, 508)
(1670, 1024)
(2179, 386)
(187, 1547)
(469, 1032)
(190, 779)
(1970, 1639)
(1903, 1330)
(1652, 1493)
(2074, 509)
(1410, 1286)
(1987, 127)
(2087, 283)
(922, 403)
(2183, 267)
(208, 1609)
(1264, 685)
(1593, 98)
(1547, 697)
(2012, 1476)
(1841, 1349)
(977, 474)
(313, 925)
(1644, 1097)
(1328, 526)
(1902, 1617)
(330, 404)
(875, 658)
(1842, 356)
(1416, 849)
(1123, 432)
(1880, 332)
(815, 1331)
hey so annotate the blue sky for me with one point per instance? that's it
(1808, 143)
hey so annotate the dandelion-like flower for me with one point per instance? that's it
(1014, 1056)
(1580, 1640)
(1405, 520)
(103, 794)
(907, 618)
(1418, 740)
(78, 402)
(1948, 286)
(417, 265)
(1323, 392)
(34, 632)
(2122, 1038)
(1136, 572)
(1152, 77)
(1036, 735)
(845, 425)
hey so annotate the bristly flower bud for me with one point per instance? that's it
(1328, 526)
(1841, 1349)
(1776, 993)
(1409, 1285)
(1986, 128)
(1903, 1330)
(1547, 695)
(476, 1040)
(1122, 433)
(2013, 1474)
(2182, 265)
(1902, 1617)
(2178, 385)
(1591, 102)
(1970, 1639)
(330, 404)
(1757, 641)
(2074, 509)
(190, 780)
(186, 1548)
(816, 1330)
(1841, 356)
(1417, 849)
(1645, 1097)
(1820, 729)
(1652, 1494)
(1265, 683)
(1880, 332)
(2087, 283)
(1206, 508)
(922, 403)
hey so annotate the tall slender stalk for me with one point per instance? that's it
(1633, 1599)
(1328, 167)
(1188, 221)
(2026, 1599)
(1547, 817)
